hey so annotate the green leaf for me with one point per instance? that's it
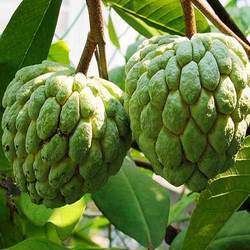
(59, 52)
(235, 234)
(112, 33)
(27, 38)
(139, 25)
(165, 15)
(135, 204)
(177, 210)
(32, 244)
(218, 202)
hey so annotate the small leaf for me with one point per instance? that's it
(218, 202)
(59, 52)
(135, 204)
(27, 38)
(112, 33)
(41, 244)
(117, 76)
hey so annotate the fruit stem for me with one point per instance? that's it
(209, 13)
(189, 17)
(95, 40)
(226, 18)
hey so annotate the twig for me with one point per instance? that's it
(189, 16)
(209, 13)
(171, 233)
(226, 18)
(95, 40)
(110, 234)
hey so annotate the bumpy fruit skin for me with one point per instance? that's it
(188, 103)
(64, 133)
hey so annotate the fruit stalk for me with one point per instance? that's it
(209, 13)
(189, 17)
(95, 40)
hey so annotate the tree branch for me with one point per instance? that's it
(189, 17)
(143, 164)
(209, 13)
(95, 39)
(226, 18)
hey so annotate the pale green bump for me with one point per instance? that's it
(41, 169)
(154, 66)
(5, 118)
(11, 116)
(197, 181)
(65, 90)
(28, 168)
(222, 133)
(70, 114)
(168, 149)
(19, 142)
(158, 90)
(54, 150)
(175, 113)
(209, 72)
(163, 59)
(184, 52)
(87, 103)
(79, 83)
(110, 141)
(193, 142)
(221, 54)
(151, 121)
(122, 122)
(47, 120)
(24, 93)
(19, 175)
(226, 96)
(93, 164)
(61, 172)
(204, 111)
(23, 119)
(8, 145)
(179, 174)
(36, 101)
(198, 48)
(32, 141)
(10, 94)
(173, 73)
(80, 141)
(98, 120)
(239, 136)
(190, 86)
(58, 201)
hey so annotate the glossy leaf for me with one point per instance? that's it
(27, 38)
(59, 52)
(41, 244)
(218, 202)
(166, 15)
(112, 33)
(135, 204)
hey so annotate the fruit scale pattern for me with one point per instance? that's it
(65, 134)
(189, 102)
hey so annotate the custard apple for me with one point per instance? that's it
(65, 134)
(189, 101)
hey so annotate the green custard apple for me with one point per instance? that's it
(65, 134)
(189, 102)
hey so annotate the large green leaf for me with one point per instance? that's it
(165, 15)
(235, 235)
(32, 244)
(27, 38)
(64, 218)
(135, 204)
(218, 202)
